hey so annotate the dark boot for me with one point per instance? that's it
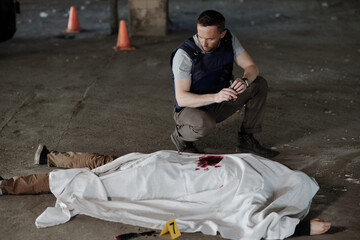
(41, 154)
(248, 144)
(183, 146)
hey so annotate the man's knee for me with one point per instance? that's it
(261, 83)
(204, 126)
(202, 123)
(195, 123)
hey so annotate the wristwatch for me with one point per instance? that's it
(246, 82)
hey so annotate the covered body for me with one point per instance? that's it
(241, 196)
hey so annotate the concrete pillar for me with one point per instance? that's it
(148, 17)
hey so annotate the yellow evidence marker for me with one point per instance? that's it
(171, 227)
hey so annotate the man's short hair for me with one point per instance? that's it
(212, 18)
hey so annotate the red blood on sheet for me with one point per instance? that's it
(206, 161)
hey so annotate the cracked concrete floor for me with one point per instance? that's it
(78, 94)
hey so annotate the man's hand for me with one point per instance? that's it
(238, 85)
(226, 94)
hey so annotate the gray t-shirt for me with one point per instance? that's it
(182, 62)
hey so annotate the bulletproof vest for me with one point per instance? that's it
(212, 71)
(8, 10)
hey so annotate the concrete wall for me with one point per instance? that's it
(148, 17)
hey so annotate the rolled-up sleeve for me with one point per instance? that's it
(182, 64)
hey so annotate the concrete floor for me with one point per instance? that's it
(75, 93)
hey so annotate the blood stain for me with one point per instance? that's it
(209, 161)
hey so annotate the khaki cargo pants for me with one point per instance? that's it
(39, 183)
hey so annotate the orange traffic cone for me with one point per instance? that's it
(73, 24)
(123, 41)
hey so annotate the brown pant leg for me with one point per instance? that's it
(255, 107)
(30, 184)
(77, 159)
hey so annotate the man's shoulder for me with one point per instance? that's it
(230, 33)
(189, 46)
(181, 54)
(188, 49)
(228, 36)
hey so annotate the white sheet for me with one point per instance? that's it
(242, 197)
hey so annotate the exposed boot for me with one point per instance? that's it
(41, 154)
(248, 144)
(183, 146)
